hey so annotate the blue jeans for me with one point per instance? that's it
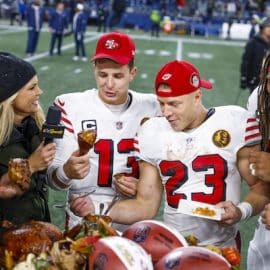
(32, 41)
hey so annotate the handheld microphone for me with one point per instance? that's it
(52, 129)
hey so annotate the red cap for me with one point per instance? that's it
(182, 77)
(116, 46)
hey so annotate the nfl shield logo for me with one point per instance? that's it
(119, 125)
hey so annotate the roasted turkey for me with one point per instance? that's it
(31, 237)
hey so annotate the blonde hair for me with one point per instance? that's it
(7, 117)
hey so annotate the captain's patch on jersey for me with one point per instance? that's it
(221, 138)
(89, 124)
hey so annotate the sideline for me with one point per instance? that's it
(8, 29)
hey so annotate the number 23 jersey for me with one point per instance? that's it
(199, 165)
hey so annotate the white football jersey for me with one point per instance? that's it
(199, 165)
(252, 102)
(258, 250)
(113, 151)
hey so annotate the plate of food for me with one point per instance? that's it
(199, 209)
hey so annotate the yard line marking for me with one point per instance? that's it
(144, 76)
(164, 53)
(64, 48)
(44, 68)
(77, 70)
(179, 50)
(150, 52)
(7, 31)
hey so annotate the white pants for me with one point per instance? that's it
(259, 249)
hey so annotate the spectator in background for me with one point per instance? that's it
(167, 25)
(14, 12)
(21, 120)
(258, 103)
(118, 8)
(79, 28)
(230, 23)
(34, 17)
(255, 20)
(22, 10)
(58, 22)
(102, 15)
(253, 55)
(155, 19)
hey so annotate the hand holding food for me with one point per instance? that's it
(118, 176)
(19, 172)
(86, 140)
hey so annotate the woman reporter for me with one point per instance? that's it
(21, 118)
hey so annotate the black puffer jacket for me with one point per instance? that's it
(33, 203)
(252, 59)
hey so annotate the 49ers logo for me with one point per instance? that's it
(111, 44)
(221, 138)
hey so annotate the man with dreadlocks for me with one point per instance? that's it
(259, 102)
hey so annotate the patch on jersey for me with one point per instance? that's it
(89, 124)
(119, 125)
(221, 138)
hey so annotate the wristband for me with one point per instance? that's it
(246, 210)
(62, 177)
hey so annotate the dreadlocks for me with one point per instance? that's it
(264, 103)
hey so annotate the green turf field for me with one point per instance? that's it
(217, 60)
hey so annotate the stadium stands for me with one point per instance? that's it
(204, 17)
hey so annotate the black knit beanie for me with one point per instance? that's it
(14, 74)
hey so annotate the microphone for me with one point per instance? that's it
(52, 129)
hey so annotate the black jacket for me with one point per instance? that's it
(32, 205)
(252, 59)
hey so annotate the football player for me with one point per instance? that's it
(258, 102)
(115, 113)
(197, 154)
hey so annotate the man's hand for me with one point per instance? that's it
(260, 164)
(81, 205)
(77, 167)
(266, 216)
(126, 185)
(232, 214)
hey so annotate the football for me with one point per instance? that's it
(155, 237)
(115, 252)
(192, 258)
